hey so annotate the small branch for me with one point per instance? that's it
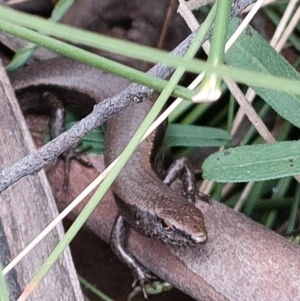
(104, 110)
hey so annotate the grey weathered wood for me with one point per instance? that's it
(28, 206)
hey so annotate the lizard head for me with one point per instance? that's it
(181, 224)
(175, 222)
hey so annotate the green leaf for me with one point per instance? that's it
(254, 163)
(195, 136)
(252, 52)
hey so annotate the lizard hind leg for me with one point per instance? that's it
(117, 242)
(57, 127)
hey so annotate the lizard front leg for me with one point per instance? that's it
(182, 169)
(117, 243)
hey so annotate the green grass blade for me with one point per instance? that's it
(132, 50)
(211, 84)
(94, 60)
(93, 289)
(195, 136)
(294, 211)
(24, 54)
(3, 288)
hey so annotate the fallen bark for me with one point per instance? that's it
(242, 260)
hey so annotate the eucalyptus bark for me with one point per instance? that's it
(242, 260)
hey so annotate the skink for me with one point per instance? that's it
(145, 202)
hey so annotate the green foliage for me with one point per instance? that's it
(195, 136)
(252, 52)
(254, 163)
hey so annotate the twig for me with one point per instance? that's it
(101, 113)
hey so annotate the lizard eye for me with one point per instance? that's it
(165, 226)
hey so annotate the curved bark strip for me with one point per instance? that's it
(242, 260)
